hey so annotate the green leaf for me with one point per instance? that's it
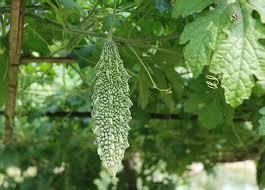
(68, 4)
(83, 55)
(162, 5)
(143, 88)
(239, 56)
(162, 82)
(208, 104)
(262, 122)
(202, 36)
(36, 39)
(262, 111)
(259, 5)
(174, 80)
(108, 20)
(188, 7)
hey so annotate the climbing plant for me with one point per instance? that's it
(191, 73)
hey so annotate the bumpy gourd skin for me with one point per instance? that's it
(111, 105)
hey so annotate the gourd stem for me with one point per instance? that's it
(168, 90)
(112, 20)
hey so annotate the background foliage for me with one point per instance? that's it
(180, 44)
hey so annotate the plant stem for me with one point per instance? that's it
(112, 20)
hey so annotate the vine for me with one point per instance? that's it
(191, 40)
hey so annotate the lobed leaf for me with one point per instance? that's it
(227, 39)
(239, 56)
(202, 36)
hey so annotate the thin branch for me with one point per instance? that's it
(62, 60)
(253, 153)
(57, 26)
(159, 116)
(16, 27)
(121, 39)
(88, 115)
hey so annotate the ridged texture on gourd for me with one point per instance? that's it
(111, 105)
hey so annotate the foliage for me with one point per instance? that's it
(167, 45)
(229, 32)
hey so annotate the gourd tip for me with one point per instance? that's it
(114, 180)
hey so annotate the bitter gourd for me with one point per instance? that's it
(111, 104)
